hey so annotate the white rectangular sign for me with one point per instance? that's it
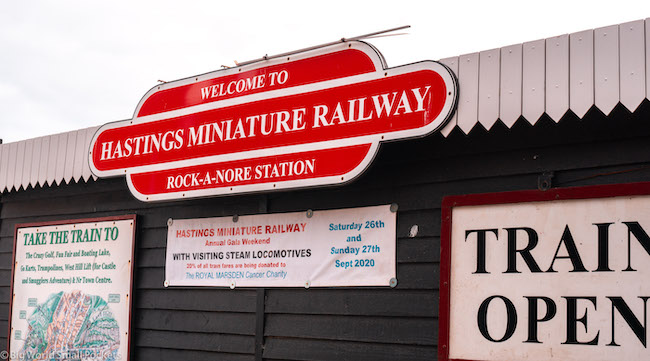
(72, 290)
(550, 280)
(347, 247)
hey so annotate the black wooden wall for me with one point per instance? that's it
(337, 323)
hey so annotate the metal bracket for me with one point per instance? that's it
(343, 40)
(545, 181)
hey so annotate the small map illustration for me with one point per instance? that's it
(71, 326)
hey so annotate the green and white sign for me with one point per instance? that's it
(71, 290)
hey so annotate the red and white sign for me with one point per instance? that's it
(555, 275)
(314, 118)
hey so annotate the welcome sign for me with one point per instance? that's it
(314, 118)
(555, 275)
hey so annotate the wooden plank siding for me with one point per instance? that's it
(357, 323)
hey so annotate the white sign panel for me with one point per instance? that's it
(550, 280)
(72, 288)
(347, 247)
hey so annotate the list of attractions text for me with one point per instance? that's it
(66, 277)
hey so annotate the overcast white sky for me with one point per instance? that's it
(67, 65)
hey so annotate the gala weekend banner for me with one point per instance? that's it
(347, 247)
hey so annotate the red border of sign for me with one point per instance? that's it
(132, 217)
(449, 202)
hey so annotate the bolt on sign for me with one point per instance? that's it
(313, 118)
(555, 275)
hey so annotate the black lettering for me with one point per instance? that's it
(572, 320)
(635, 325)
(603, 247)
(572, 250)
(511, 321)
(641, 236)
(525, 252)
(480, 247)
(551, 310)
